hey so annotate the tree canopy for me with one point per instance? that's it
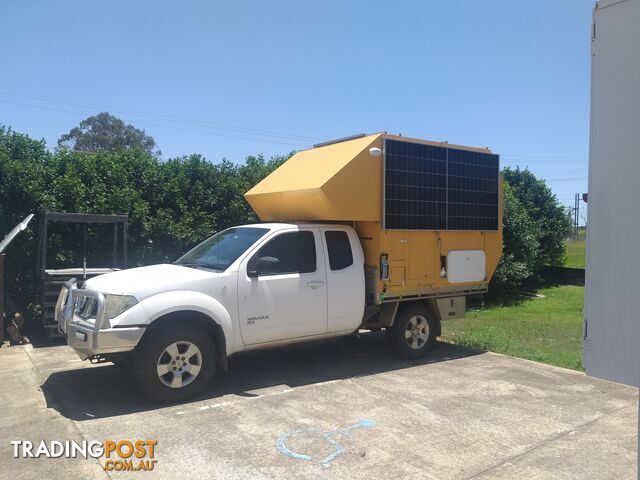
(105, 133)
(549, 216)
(172, 205)
(521, 249)
(535, 227)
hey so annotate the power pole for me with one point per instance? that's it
(576, 215)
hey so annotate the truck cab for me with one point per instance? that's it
(247, 287)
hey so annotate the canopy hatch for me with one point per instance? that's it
(339, 181)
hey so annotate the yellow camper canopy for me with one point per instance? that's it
(339, 181)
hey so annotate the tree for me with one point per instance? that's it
(521, 249)
(106, 133)
(172, 205)
(24, 189)
(534, 228)
(542, 206)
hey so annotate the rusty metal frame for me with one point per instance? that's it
(60, 217)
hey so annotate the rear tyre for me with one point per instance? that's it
(175, 362)
(414, 331)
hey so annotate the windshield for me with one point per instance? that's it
(221, 250)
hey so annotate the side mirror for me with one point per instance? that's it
(263, 266)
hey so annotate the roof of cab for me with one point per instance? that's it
(284, 225)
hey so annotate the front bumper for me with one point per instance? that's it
(94, 336)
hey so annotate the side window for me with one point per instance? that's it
(339, 249)
(293, 253)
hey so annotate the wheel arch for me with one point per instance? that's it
(195, 307)
(385, 315)
(197, 318)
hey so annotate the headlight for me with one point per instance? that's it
(114, 305)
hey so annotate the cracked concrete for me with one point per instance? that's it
(459, 414)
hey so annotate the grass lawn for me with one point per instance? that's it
(545, 329)
(576, 251)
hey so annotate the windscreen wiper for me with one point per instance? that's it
(208, 266)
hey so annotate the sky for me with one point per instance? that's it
(228, 79)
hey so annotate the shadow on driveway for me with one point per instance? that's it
(107, 391)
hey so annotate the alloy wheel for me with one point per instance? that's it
(179, 364)
(417, 332)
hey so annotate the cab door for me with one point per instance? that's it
(345, 279)
(287, 298)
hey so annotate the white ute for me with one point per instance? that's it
(406, 230)
(244, 288)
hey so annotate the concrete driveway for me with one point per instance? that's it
(342, 409)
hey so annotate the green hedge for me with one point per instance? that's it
(172, 205)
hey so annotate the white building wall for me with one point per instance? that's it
(612, 295)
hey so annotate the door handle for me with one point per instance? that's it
(315, 284)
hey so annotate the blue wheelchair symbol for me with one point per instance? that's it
(328, 436)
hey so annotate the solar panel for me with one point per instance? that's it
(429, 187)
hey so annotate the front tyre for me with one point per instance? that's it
(175, 362)
(414, 331)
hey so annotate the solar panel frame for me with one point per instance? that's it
(431, 187)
